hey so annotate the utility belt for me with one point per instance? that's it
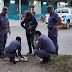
(8, 51)
(51, 52)
(3, 28)
(50, 28)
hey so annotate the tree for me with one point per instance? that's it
(31, 6)
(51, 2)
(68, 1)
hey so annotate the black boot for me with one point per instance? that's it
(29, 52)
(45, 60)
(10, 59)
(56, 52)
(14, 62)
(2, 55)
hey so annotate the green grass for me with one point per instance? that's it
(61, 63)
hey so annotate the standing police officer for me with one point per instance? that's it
(4, 28)
(53, 21)
(30, 25)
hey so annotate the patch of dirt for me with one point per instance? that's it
(57, 64)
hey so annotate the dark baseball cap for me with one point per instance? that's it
(5, 9)
(49, 7)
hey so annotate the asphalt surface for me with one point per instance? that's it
(65, 47)
(64, 38)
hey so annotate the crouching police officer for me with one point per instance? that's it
(4, 28)
(44, 48)
(30, 25)
(10, 51)
(53, 21)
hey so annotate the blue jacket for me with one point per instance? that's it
(45, 43)
(13, 46)
(25, 24)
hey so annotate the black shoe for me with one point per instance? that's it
(34, 55)
(2, 56)
(56, 54)
(45, 60)
(29, 53)
(14, 62)
(10, 60)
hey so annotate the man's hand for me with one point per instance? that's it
(19, 57)
(34, 42)
(9, 32)
(9, 29)
(58, 23)
(30, 27)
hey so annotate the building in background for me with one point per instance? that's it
(37, 8)
(14, 8)
(17, 7)
(1, 5)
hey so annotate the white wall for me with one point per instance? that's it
(1, 5)
(37, 8)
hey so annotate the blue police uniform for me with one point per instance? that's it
(53, 34)
(10, 51)
(30, 33)
(3, 30)
(45, 47)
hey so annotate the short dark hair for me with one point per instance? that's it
(28, 14)
(38, 32)
(18, 38)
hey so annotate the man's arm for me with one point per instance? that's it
(58, 23)
(35, 23)
(9, 29)
(58, 19)
(22, 24)
(19, 51)
(38, 45)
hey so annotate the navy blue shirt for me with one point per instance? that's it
(3, 21)
(13, 46)
(53, 19)
(45, 43)
(25, 24)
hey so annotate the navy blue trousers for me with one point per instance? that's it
(42, 53)
(3, 39)
(54, 39)
(30, 40)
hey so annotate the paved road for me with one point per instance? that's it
(64, 38)
(65, 47)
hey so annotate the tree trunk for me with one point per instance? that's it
(31, 6)
(20, 9)
(68, 1)
(51, 2)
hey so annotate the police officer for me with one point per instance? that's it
(4, 28)
(53, 21)
(30, 25)
(10, 51)
(44, 48)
